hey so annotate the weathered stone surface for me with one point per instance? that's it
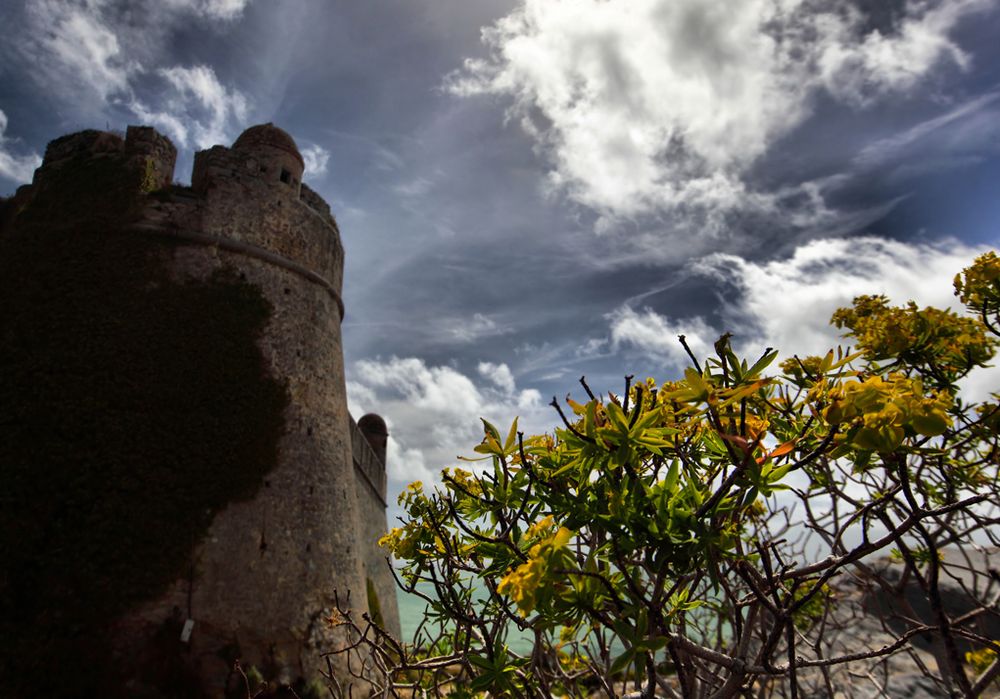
(260, 584)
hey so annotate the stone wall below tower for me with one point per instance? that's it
(370, 491)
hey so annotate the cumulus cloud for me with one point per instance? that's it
(789, 301)
(498, 374)
(786, 303)
(645, 106)
(19, 168)
(316, 159)
(432, 411)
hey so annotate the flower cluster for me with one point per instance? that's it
(523, 582)
(938, 343)
(878, 414)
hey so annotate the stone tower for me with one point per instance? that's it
(297, 513)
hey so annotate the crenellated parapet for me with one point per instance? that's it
(252, 193)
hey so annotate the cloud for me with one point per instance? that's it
(858, 71)
(646, 106)
(19, 168)
(786, 303)
(100, 56)
(466, 330)
(657, 336)
(196, 108)
(212, 9)
(499, 375)
(433, 411)
(316, 159)
(74, 51)
(966, 131)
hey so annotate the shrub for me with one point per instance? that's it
(714, 536)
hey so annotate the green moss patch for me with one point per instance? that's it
(133, 408)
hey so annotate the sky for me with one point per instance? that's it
(531, 191)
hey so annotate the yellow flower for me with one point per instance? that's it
(524, 582)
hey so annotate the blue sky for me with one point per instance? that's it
(530, 191)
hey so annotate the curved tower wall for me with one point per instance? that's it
(268, 567)
(261, 584)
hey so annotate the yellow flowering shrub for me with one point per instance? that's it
(654, 532)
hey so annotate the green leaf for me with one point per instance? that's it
(670, 483)
(617, 417)
(490, 430)
(623, 661)
(481, 662)
(508, 444)
(761, 364)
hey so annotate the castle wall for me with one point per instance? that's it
(370, 491)
(262, 582)
(267, 569)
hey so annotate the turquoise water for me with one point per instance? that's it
(411, 613)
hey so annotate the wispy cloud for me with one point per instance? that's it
(971, 127)
(18, 168)
(214, 9)
(100, 57)
(75, 51)
(195, 108)
(465, 330)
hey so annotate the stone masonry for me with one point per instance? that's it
(262, 581)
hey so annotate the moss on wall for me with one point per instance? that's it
(132, 409)
(374, 605)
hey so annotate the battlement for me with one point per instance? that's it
(369, 457)
(263, 156)
(143, 150)
(248, 197)
(154, 153)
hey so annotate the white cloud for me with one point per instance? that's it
(19, 168)
(316, 159)
(433, 411)
(196, 108)
(498, 374)
(857, 71)
(657, 336)
(644, 106)
(466, 330)
(74, 50)
(786, 303)
(100, 55)
(211, 9)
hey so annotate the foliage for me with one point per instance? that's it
(711, 536)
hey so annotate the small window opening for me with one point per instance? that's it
(286, 176)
